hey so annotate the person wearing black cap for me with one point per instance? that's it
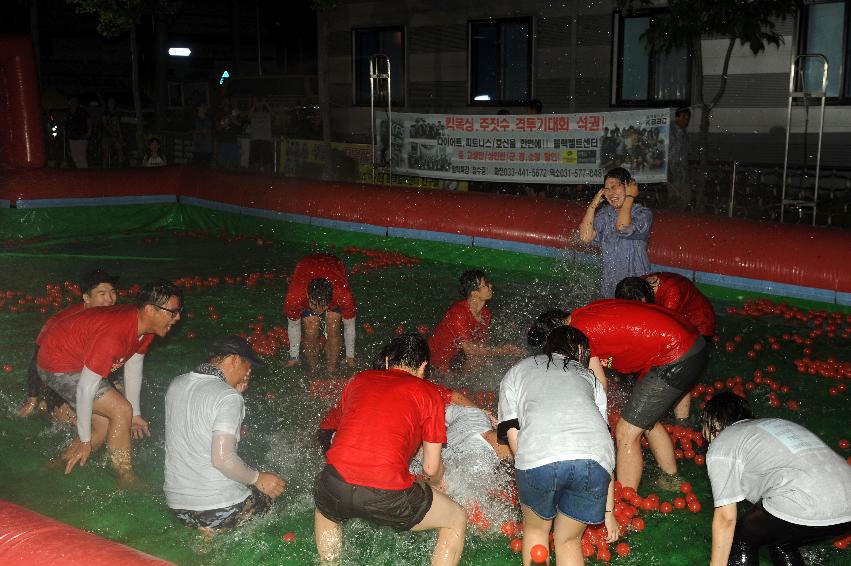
(98, 290)
(207, 484)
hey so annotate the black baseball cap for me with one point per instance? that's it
(95, 277)
(232, 344)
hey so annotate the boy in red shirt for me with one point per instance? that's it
(669, 356)
(386, 415)
(98, 290)
(319, 286)
(76, 355)
(458, 341)
(674, 292)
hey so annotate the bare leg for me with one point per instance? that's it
(333, 345)
(329, 539)
(683, 407)
(117, 410)
(568, 541)
(450, 520)
(28, 407)
(662, 448)
(630, 461)
(535, 531)
(310, 341)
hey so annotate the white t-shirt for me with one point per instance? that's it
(561, 411)
(797, 476)
(196, 406)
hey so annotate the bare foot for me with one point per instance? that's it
(28, 407)
(132, 482)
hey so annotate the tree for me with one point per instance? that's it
(117, 17)
(322, 38)
(750, 22)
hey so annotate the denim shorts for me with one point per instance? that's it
(574, 488)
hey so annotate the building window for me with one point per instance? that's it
(643, 79)
(825, 28)
(501, 62)
(379, 41)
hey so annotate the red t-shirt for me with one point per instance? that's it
(319, 266)
(331, 420)
(458, 325)
(102, 339)
(385, 417)
(680, 295)
(633, 336)
(64, 313)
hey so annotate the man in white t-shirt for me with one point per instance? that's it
(207, 484)
(799, 488)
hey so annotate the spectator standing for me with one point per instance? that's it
(680, 191)
(112, 142)
(202, 136)
(78, 129)
(260, 156)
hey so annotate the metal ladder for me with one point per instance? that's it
(796, 78)
(379, 75)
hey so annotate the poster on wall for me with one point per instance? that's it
(534, 148)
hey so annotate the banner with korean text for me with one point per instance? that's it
(535, 148)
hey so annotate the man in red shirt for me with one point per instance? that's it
(386, 416)
(77, 353)
(98, 290)
(669, 356)
(674, 292)
(319, 286)
(458, 341)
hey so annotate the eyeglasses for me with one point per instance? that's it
(173, 312)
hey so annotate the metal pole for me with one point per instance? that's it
(375, 73)
(732, 191)
(820, 132)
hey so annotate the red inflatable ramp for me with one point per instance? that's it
(29, 538)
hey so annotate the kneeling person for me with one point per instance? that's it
(386, 416)
(207, 484)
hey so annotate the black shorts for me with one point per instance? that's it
(663, 386)
(401, 509)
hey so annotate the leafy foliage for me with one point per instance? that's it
(751, 22)
(116, 17)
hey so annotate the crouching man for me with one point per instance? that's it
(207, 484)
(386, 415)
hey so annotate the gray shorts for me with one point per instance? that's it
(65, 385)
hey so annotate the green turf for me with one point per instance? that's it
(173, 241)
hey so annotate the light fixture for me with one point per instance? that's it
(483, 97)
(179, 51)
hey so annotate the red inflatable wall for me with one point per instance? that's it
(781, 253)
(21, 132)
(27, 538)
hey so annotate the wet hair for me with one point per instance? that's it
(569, 342)
(682, 110)
(381, 358)
(634, 289)
(409, 350)
(537, 334)
(723, 410)
(618, 173)
(320, 291)
(536, 105)
(95, 277)
(158, 293)
(470, 281)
